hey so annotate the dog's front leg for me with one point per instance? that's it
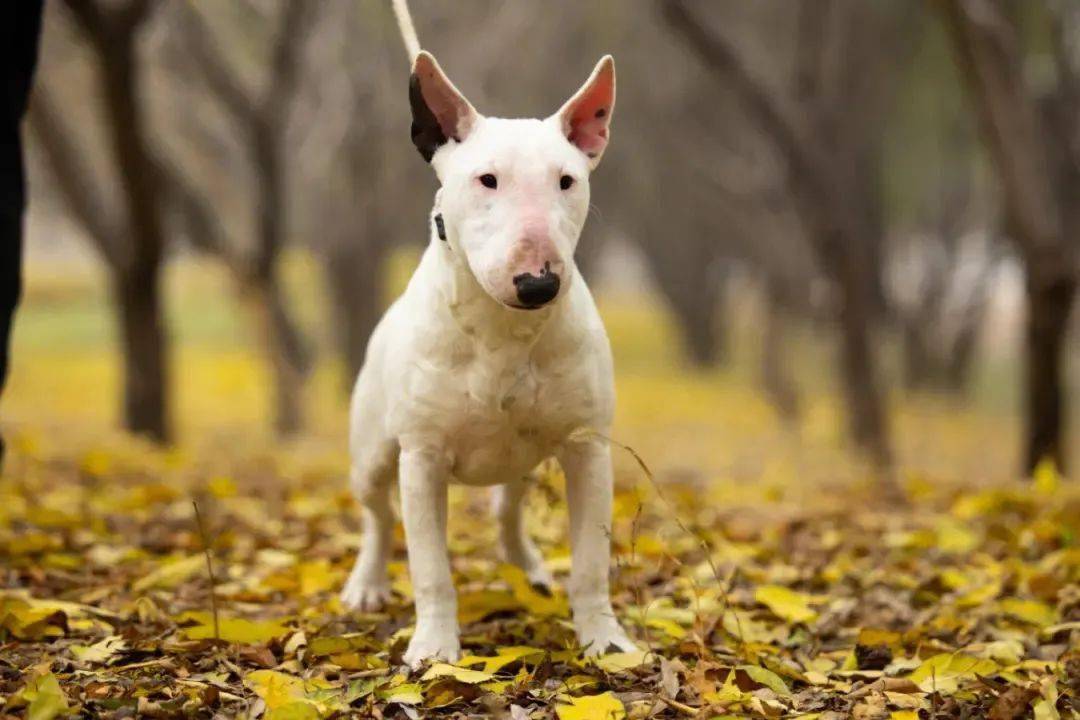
(587, 466)
(423, 478)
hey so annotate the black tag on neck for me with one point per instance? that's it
(440, 228)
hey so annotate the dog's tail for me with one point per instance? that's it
(408, 30)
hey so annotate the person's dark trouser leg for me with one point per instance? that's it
(11, 202)
(22, 20)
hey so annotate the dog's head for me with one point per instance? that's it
(515, 193)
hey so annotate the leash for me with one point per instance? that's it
(412, 47)
(408, 30)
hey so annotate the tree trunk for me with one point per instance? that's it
(137, 272)
(264, 118)
(284, 350)
(775, 377)
(1036, 170)
(694, 288)
(354, 278)
(961, 358)
(1049, 306)
(918, 372)
(958, 366)
(701, 348)
(866, 415)
(826, 199)
(700, 332)
(143, 344)
(700, 323)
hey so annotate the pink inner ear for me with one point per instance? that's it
(447, 107)
(452, 111)
(589, 117)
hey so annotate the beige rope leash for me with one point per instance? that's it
(408, 30)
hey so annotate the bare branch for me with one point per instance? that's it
(987, 53)
(89, 17)
(777, 122)
(102, 23)
(296, 22)
(1066, 101)
(73, 176)
(197, 220)
(214, 66)
(812, 31)
(137, 12)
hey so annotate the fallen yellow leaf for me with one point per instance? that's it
(766, 677)
(404, 694)
(785, 603)
(27, 621)
(45, 697)
(475, 606)
(590, 707)
(943, 673)
(537, 603)
(99, 652)
(171, 573)
(443, 670)
(504, 656)
(318, 576)
(1030, 611)
(232, 629)
(288, 697)
(618, 662)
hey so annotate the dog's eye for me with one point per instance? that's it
(488, 180)
(565, 182)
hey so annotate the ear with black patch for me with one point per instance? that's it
(439, 111)
(586, 117)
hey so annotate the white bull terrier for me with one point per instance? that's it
(491, 360)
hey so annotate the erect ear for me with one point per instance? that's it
(586, 116)
(439, 111)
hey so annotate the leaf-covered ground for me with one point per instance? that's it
(768, 580)
(966, 604)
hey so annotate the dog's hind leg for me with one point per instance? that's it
(368, 586)
(517, 547)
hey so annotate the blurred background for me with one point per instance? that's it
(829, 235)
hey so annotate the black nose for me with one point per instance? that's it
(536, 290)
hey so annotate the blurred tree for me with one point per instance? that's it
(262, 117)
(776, 380)
(356, 151)
(827, 133)
(942, 310)
(126, 230)
(651, 189)
(1033, 136)
(944, 253)
(355, 246)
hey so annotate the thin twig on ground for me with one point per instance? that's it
(209, 570)
(721, 584)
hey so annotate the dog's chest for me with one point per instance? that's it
(512, 412)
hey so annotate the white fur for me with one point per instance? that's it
(460, 387)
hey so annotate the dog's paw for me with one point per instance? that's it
(540, 579)
(365, 596)
(432, 644)
(604, 636)
(531, 562)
